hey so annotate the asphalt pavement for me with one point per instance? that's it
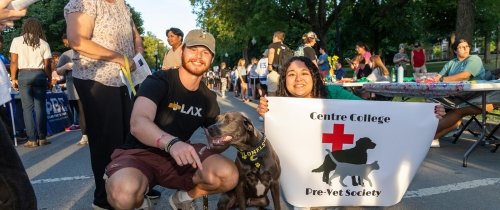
(62, 177)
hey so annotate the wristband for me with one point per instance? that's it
(170, 144)
(441, 79)
(158, 140)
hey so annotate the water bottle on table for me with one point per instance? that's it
(393, 75)
(400, 74)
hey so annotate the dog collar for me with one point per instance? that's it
(253, 156)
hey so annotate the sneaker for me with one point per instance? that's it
(72, 128)
(43, 142)
(435, 143)
(176, 204)
(31, 144)
(153, 194)
(83, 141)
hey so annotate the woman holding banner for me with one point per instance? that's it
(302, 79)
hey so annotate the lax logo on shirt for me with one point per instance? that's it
(191, 110)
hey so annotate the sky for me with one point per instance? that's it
(159, 15)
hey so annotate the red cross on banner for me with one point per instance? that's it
(338, 138)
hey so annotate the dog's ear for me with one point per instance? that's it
(248, 124)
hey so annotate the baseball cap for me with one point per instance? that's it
(199, 37)
(312, 35)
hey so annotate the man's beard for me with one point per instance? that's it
(193, 71)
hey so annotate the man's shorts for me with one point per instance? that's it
(158, 166)
(421, 69)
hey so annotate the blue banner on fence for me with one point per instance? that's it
(58, 112)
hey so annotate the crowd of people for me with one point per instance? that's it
(138, 141)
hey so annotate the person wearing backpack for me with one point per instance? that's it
(279, 53)
(310, 40)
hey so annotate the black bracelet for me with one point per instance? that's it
(170, 144)
(441, 79)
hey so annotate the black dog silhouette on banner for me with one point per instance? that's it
(357, 155)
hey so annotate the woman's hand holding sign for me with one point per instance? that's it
(263, 107)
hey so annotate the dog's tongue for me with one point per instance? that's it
(222, 139)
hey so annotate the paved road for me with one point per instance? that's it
(62, 177)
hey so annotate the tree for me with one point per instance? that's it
(486, 21)
(51, 15)
(154, 49)
(465, 19)
(236, 23)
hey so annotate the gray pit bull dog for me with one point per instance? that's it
(258, 165)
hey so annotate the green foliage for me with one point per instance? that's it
(154, 49)
(436, 50)
(235, 23)
(51, 15)
(487, 16)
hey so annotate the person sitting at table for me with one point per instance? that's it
(463, 67)
(379, 71)
(302, 71)
(339, 71)
(362, 65)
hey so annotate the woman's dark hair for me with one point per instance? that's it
(363, 45)
(455, 44)
(32, 32)
(318, 91)
(176, 31)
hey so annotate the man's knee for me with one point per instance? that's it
(126, 188)
(222, 173)
(229, 177)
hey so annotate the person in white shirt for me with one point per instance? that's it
(253, 77)
(30, 72)
(172, 59)
(262, 71)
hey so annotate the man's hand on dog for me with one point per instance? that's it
(263, 107)
(185, 154)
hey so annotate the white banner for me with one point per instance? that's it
(382, 143)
